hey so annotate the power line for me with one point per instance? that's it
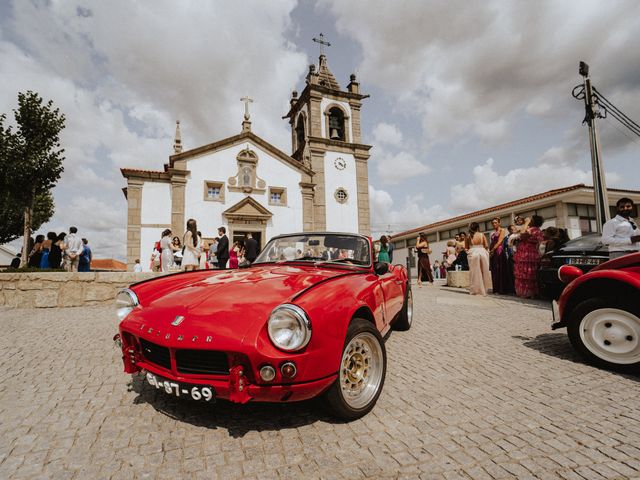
(622, 132)
(610, 109)
(606, 100)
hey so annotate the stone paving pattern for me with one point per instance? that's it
(478, 388)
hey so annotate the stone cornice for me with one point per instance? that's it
(237, 139)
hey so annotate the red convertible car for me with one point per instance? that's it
(306, 319)
(601, 310)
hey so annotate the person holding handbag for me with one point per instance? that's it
(424, 266)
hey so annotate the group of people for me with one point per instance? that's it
(58, 251)
(507, 263)
(192, 253)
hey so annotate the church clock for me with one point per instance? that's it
(339, 163)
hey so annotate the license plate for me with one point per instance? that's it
(583, 261)
(195, 392)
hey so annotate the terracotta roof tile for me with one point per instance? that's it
(140, 170)
(109, 264)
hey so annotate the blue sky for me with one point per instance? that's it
(470, 101)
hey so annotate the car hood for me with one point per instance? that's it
(228, 302)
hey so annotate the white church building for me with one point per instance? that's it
(246, 184)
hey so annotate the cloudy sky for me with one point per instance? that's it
(470, 101)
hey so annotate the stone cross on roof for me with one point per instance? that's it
(246, 101)
(322, 43)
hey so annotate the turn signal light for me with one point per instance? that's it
(267, 373)
(288, 370)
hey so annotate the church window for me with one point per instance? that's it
(277, 196)
(214, 191)
(300, 133)
(336, 124)
(341, 195)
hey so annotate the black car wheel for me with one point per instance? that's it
(405, 317)
(363, 367)
(606, 332)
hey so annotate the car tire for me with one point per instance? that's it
(405, 317)
(361, 374)
(606, 333)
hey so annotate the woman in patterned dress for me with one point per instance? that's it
(527, 259)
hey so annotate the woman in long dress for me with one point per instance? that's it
(498, 262)
(383, 253)
(527, 259)
(424, 266)
(167, 252)
(233, 255)
(478, 256)
(191, 242)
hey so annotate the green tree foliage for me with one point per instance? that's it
(30, 166)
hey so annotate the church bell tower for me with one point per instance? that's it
(326, 136)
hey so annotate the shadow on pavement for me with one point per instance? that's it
(237, 419)
(557, 345)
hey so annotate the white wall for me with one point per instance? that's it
(341, 217)
(156, 203)
(219, 166)
(323, 105)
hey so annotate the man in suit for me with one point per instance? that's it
(223, 248)
(250, 248)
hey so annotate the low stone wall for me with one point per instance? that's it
(48, 289)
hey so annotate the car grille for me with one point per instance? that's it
(202, 362)
(156, 354)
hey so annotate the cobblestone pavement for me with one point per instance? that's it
(479, 388)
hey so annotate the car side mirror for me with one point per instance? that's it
(381, 268)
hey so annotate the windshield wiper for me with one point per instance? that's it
(299, 259)
(348, 261)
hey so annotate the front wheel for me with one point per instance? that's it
(363, 367)
(606, 332)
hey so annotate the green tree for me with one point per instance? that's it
(30, 165)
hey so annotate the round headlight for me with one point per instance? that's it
(289, 328)
(126, 301)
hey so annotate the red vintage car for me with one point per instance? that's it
(601, 310)
(306, 319)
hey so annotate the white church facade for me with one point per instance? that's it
(248, 185)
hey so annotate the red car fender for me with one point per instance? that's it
(332, 307)
(572, 293)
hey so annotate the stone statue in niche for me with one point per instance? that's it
(246, 179)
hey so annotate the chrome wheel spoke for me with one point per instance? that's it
(362, 370)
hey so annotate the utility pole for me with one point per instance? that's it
(599, 184)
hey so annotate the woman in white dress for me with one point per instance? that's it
(166, 259)
(478, 257)
(191, 242)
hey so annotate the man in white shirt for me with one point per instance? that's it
(74, 249)
(621, 233)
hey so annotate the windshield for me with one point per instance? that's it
(318, 248)
(587, 242)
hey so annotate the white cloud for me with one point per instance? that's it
(489, 187)
(415, 211)
(469, 68)
(385, 133)
(395, 168)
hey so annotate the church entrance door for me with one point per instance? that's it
(242, 235)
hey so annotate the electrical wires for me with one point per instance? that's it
(613, 111)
